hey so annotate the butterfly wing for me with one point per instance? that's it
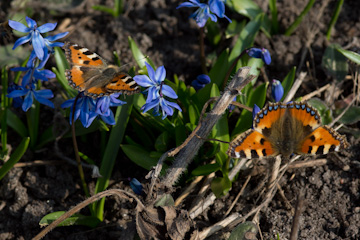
(250, 144)
(123, 83)
(85, 66)
(323, 140)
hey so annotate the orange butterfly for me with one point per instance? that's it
(286, 128)
(91, 74)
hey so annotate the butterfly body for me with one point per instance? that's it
(89, 73)
(286, 128)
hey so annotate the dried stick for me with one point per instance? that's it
(238, 196)
(316, 92)
(295, 87)
(200, 207)
(218, 226)
(296, 221)
(186, 154)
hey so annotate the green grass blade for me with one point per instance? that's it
(334, 18)
(15, 123)
(116, 136)
(298, 20)
(15, 157)
(274, 16)
(352, 56)
(4, 106)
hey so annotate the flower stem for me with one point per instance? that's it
(202, 52)
(76, 149)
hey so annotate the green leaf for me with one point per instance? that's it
(205, 169)
(165, 200)
(216, 74)
(10, 57)
(298, 20)
(138, 55)
(139, 156)
(288, 82)
(251, 10)
(258, 97)
(15, 157)
(239, 233)
(62, 65)
(256, 64)
(76, 219)
(15, 123)
(161, 143)
(247, 8)
(220, 186)
(246, 37)
(352, 56)
(104, 9)
(274, 16)
(352, 116)
(334, 18)
(213, 32)
(334, 63)
(324, 111)
(107, 164)
(234, 28)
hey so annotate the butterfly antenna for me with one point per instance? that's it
(211, 139)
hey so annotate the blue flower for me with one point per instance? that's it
(103, 105)
(34, 73)
(85, 109)
(30, 93)
(156, 90)
(277, 90)
(218, 7)
(260, 53)
(136, 186)
(202, 14)
(162, 104)
(34, 37)
(255, 111)
(17, 101)
(232, 107)
(200, 81)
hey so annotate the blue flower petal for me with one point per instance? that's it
(150, 105)
(109, 119)
(136, 186)
(169, 92)
(21, 41)
(151, 72)
(174, 105)
(143, 81)
(45, 93)
(17, 93)
(277, 90)
(197, 85)
(203, 78)
(67, 103)
(186, 4)
(39, 45)
(17, 69)
(160, 74)
(266, 56)
(19, 26)
(56, 37)
(28, 100)
(31, 23)
(47, 27)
